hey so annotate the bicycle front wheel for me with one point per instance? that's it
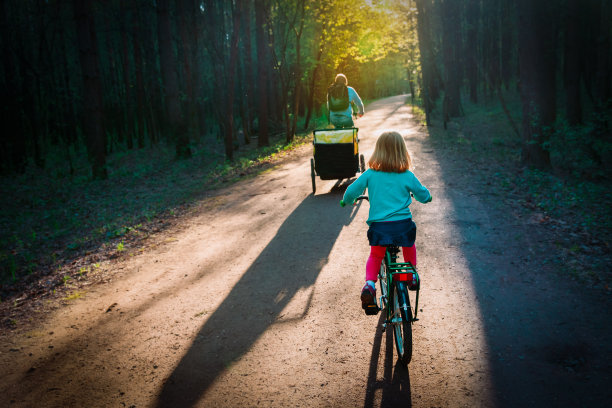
(401, 319)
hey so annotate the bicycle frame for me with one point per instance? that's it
(393, 268)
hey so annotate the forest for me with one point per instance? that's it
(89, 85)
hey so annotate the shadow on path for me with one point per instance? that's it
(547, 339)
(292, 260)
(395, 384)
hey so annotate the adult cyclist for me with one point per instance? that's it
(341, 101)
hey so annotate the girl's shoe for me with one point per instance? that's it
(368, 300)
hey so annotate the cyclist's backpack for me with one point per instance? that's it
(337, 97)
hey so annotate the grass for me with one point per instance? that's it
(48, 218)
(74, 295)
(574, 208)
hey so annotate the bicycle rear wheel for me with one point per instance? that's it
(401, 319)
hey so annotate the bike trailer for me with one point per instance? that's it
(336, 154)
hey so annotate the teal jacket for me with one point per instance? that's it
(355, 100)
(389, 194)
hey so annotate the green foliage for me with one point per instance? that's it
(51, 220)
(74, 295)
(581, 151)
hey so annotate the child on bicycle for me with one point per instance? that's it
(390, 183)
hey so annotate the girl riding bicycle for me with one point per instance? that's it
(390, 183)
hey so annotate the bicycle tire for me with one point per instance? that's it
(401, 318)
(312, 176)
(382, 280)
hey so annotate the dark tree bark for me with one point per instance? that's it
(508, 66)
(491, 52)
(174, 119)
(427, 56)
(184, 9)
(297, 86)
(14, 155)
(262, 71)
(451, 38)
(228, 117)
(195, 23)
(603, 93)
(125, 62)
(537, 76)
(92, 122)
(140, 110)
(313, 80)
(248, 98)
(471, 48)
(574, 42)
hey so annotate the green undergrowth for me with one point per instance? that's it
(575, 209)
(49, 219)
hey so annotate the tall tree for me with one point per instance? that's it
(537, 75)
(140, 110)
(168, 62)
(297, 72)
(231, 80)
(427, 56)
(93, 122)
(452, 65)
(247, 98)
(573, 61)
(471, 47)
(262, 71)
(184, 10)
(14, 155)
(508, 66)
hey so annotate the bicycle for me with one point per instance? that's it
(396, 280)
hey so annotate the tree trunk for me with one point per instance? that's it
(14, 154)
(297, 73)
(452, 67)
(573, 62)
(174, 120)
(125, 63)
(92, 121)
(313, 81)
(248, 98)
(262, 71)
(603, 50)
(231, 76)
(508, 66)
(471, 52)
(537, 76)
(491, 44)
(140, 90)
(184, 10)
(427, 61)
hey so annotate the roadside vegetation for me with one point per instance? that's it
(60, 227)
(122, 115)
(573, 201)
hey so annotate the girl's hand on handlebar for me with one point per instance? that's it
(361, 197)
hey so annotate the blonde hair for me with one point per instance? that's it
(341, 78)
(390, 154)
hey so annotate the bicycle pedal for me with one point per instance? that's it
(371, 310)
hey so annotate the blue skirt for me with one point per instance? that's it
(401, 233)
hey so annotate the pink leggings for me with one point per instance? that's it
(377, 253)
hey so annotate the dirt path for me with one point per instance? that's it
(254, 301)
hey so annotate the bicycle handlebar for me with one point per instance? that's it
(361, 197)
